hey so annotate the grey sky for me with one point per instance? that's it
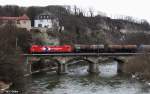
(136, 8)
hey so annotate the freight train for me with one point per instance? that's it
(79, 48)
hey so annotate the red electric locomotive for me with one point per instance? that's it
(49, 49)
(37, 49)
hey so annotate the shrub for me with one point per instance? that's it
(139, 65)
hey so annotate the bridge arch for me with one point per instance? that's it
(91, 62)
(78, 60)
(120, 63)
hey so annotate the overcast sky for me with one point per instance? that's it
(136, 8)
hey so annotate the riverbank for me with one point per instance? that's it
(138, 67)
(4, 86)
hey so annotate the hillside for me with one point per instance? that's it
(83, 29)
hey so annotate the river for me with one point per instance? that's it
(79, 81)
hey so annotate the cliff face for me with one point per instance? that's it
(102, 30)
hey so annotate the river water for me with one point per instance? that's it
(79, 81)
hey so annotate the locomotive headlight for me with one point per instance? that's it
(49, 49)
(43, 48)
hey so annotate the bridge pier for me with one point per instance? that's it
(120, 65)
(93, 65)
(93, 68)
(28, 66)
(62, 68)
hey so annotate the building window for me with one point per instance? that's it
(40, 17)
(18, 22)
(45, 26)
(24, 22)
(39, 25)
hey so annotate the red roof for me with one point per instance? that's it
(24, 17)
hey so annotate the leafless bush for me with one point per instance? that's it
(11, 62)
(139, 65)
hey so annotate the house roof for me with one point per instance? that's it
(52, 16)
(23, 17)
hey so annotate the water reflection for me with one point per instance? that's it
(79, 81)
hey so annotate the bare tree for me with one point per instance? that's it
(91, 11)
(11, 62)
(75, 10)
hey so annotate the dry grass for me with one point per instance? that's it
(139, 65)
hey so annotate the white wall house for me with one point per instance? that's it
(47, 23)
(46, 20)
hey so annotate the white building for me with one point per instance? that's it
(46, 20)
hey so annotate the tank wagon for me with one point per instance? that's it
(121, 48)
(144, 48)
(88, 48)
